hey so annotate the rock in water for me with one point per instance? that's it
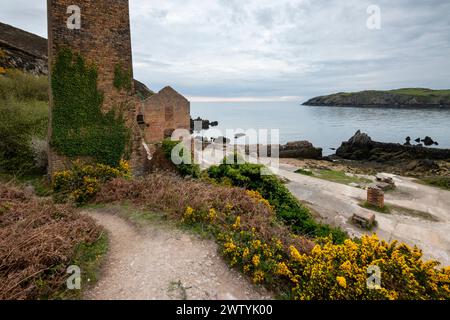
(408, 141)
(428, 141)
(300, 149)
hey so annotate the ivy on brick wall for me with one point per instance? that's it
(122, 78)
(79, 127)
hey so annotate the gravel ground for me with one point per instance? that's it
(160, 262)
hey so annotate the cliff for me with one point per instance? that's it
(22, 50)
(400, 98)
(29, 52)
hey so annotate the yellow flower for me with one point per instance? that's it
(188, 215)
(212, 214)
(256, 260)
(189, 211)
(230, 247)
(258, 276)
(346, 266)
(342, 282)
(245, 253)
(282, 269)
(256, 244)
(237, 224)
(295, 254)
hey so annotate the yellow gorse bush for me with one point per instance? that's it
(328, 271)
(335, 272)
(192, 216)
(83, 181)
(341, 272)
(255, 195)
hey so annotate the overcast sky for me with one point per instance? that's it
(277, 50)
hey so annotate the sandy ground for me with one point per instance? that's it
(160, 262)
(336, 203)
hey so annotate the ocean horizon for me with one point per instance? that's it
(325, 127)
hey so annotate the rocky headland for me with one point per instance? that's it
(401, 98)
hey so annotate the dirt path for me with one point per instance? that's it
(160, 262)
(336, 203)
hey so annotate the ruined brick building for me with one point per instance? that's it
(101, 34)
(163, 113)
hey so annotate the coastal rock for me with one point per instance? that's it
(362, 147)
(295, 149)
(204, 124)
(300, 149)
(422, 165)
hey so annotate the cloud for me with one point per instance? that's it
(261, 49)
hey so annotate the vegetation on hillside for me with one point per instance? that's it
(23, 124)
(39, 240)
(440, 182)
(287, 207)
(82, 182)
(406, 97)
(252, 240)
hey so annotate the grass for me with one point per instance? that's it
(23, 86)
(40, 183)
(89, 258)
(393, 209)
(24, 118)
(439, 182)
(142, 218)
(334, 176)
(178, 289)
(386, 209)
(418, 92)
(421, 92)
(304, 172)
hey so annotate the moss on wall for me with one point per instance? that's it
(122, 78)
(79, 127)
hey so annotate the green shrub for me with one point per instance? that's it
(184, 168)
(23, 86)
(24, 115)
(82, 182)
(20, 121)
(287, 207)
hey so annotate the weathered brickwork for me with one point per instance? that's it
(165, 112)
(375, 197)
(104, 40)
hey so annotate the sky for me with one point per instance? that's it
(284, 50)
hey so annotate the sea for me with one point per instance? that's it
(325, 127)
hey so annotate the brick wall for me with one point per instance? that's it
(104, 39)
